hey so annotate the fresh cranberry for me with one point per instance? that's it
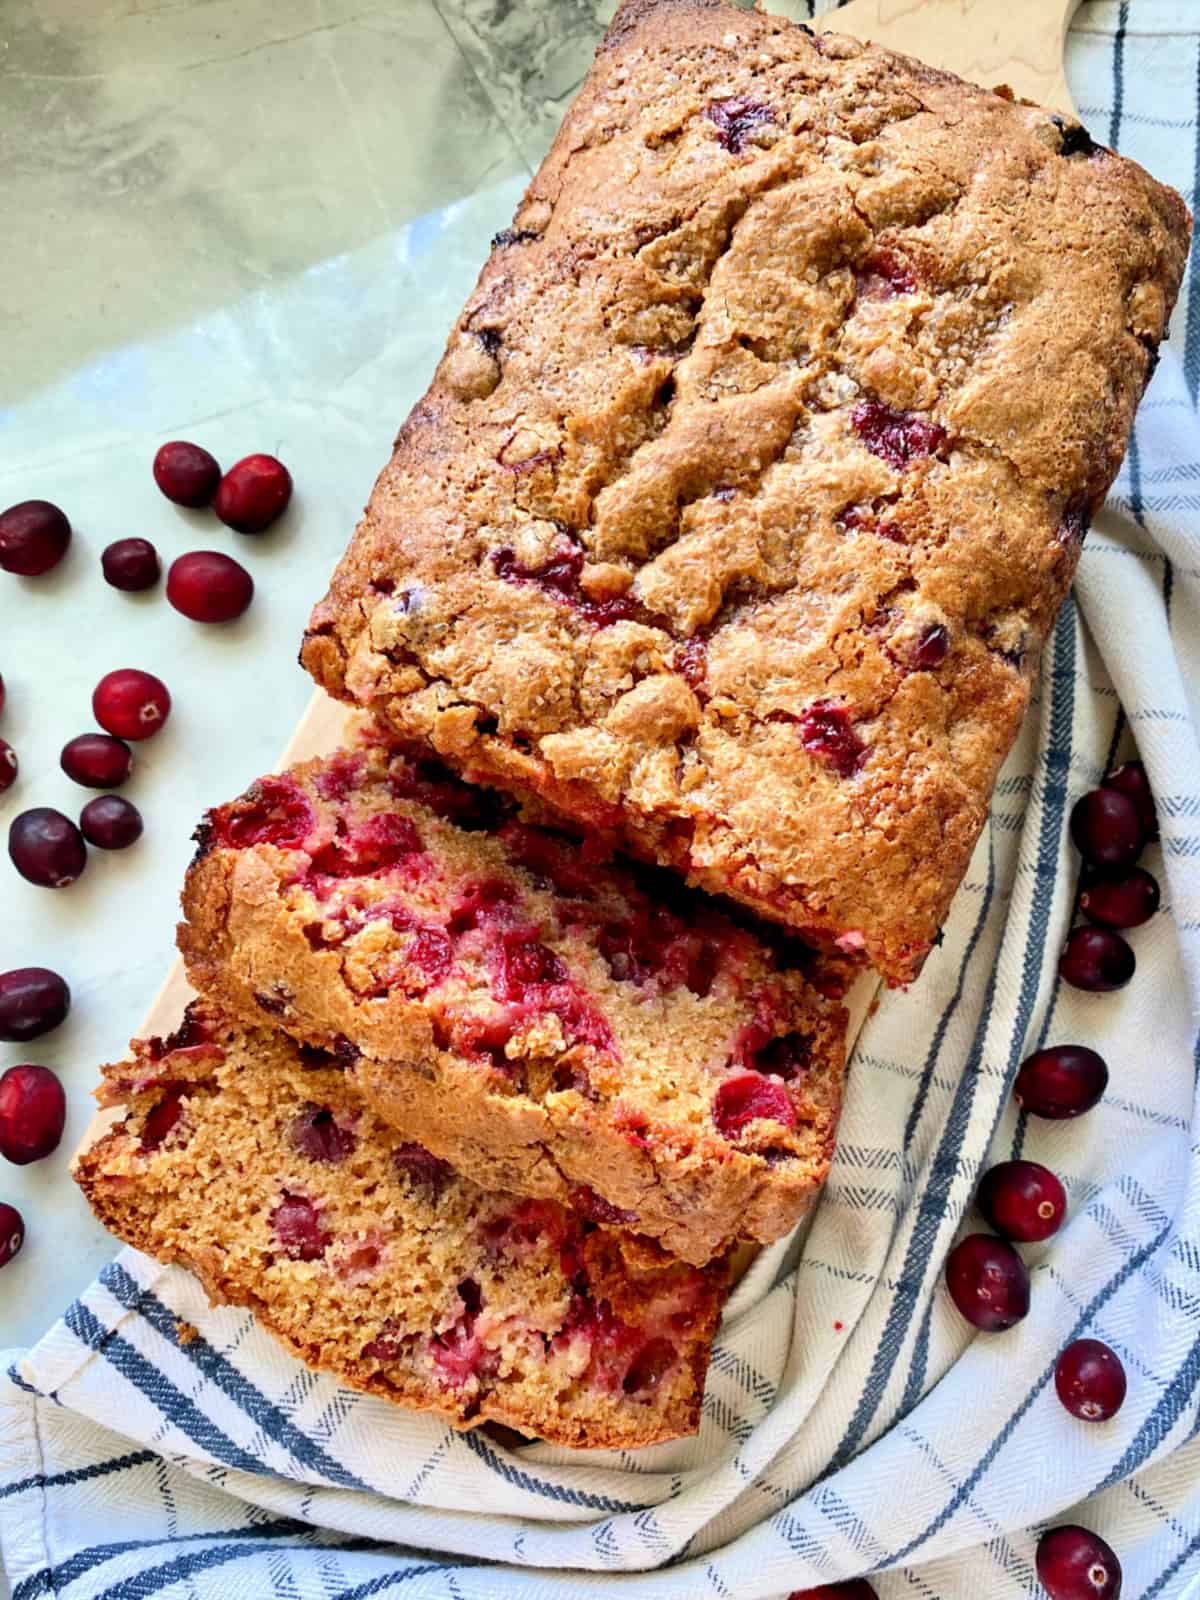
(1106, 830)
(272, 811)
(130, 703)
(374, 845)
(897, 437)
(1022, 1200)
(209, 587)
(1064, 1080)
(97, 760)
(33, 538)
(735, 119)
(422, 1168)
(526, 964)
(297, 1226)
(131, 565)
(987, 1282)
(430, 952)
(1090, 1380)
(110, 823)
(1075, 1564)
(186, 473)
(162, 1117)
(12, 1232)
(559, 577)
(317, 1135)
(253, 493)
(485, 901)
(826, 731)
(1096, 959)
(9, 765)
(931, 648)
(33, 1112)
(46, 848)
(1124, 901)
(851, 1589)
(746, 1098)
(33, 1000)
(1130, 780)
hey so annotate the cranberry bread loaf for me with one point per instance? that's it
(551, 1025)
(758, 464)
(247, 1159)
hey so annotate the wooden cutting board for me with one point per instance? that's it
(993, 42)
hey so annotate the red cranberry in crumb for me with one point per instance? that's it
(897, 437)
(12, 1232)
(1130, 780)
(930, 649)
(253, 493)
(1075, 1564)
(131, 565)
(852, 1589)
(297, 1226)
(33, 1112)
(735, 119)
(33, 1000)
(1106, 830)
(1090, 1380)
(746, 1098)
(1022, 1200)
(46, 848)
(649, 1367)
(33, 538)
(161, 1118)
(9, 765)
(421, 1167)
(131, 704)
(317, 1135)
(988, 1282)
(209, 587)
(826, 731)
(272, 811)
(1064, 1080)
(110, 823)
(1097, 960)
(596, 1208)
(97, 760)
(1123, 901)
(186, 473)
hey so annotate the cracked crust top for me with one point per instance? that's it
(758, 463)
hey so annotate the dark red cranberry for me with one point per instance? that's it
(186, 473)
(1123, 901)
(1064, 1080)
(209, 587)
(430, 952)
(559, 577)
(422, 1167)
(33, 1112)
(33, 1000)
(826, 731)
(46, 848)
(12, 1232)
(747, 1097)
(1130, 780)
(374, 845)
(317, 1135)
(527, 965)
(1075, 1564)
(852, 1589)
(1106, 830)
(897, 437)
(253, 493)
(33, 538)
(162, 1118)
(786, 1057)
(9, 765)
(988, 1282)
(1022, 1200)
(130, 703)
(1090, 1380)
(649, 1367)
(110, 823)
(97, 760)
(596, 1208)
(272, 811)
(1096, 959)
(131, 565)
(735, 119)
(297, 1225)
(931, 648)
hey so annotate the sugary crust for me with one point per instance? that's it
(757, 465)
(545, 1291)
(616, 1109)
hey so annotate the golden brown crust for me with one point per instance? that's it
(626, 1083)
(757, 465)
(400, 1279)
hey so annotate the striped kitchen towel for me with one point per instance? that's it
(853, 1424)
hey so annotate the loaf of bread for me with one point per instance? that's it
(758, 464)
(247, 1159)
(552, 1024)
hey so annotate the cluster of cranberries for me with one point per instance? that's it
(1110, 827)
(48, 848)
